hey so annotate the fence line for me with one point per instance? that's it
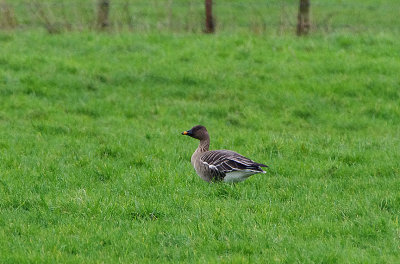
(189, 16)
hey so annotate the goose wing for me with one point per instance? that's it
(224, 161)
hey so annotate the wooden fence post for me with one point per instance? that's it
(102, 14)
(7, 16)
(210, 27)
(303, 18)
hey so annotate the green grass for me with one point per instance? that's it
(93, 167)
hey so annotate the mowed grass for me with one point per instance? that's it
(93, 167)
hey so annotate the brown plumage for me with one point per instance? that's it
(220, 165)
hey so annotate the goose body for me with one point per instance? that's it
(220, 165)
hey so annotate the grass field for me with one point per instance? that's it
(93, 167)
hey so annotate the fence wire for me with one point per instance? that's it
(188, 15)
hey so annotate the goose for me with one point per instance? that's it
(220, 165)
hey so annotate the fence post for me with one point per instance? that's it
(303, 18)
(7, 16)
(210, 27)
(102, 14)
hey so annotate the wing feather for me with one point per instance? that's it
(224, 161)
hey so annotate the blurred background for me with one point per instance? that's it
(255, 16)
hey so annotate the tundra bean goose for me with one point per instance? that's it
(220, 165)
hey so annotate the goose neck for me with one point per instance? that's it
(204, 145)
